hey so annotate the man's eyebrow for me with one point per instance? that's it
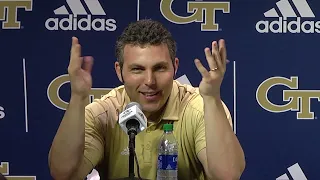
(135, 65)
(162, 63)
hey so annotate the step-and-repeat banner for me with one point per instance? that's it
(271, 86)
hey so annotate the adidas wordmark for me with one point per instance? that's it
(289, 22)
(79, 19)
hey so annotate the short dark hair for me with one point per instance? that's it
(142, 33)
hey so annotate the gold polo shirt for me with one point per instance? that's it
(106, 144)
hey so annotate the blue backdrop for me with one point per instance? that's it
(270, 87)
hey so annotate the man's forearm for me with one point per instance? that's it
(68, 145)
(225, 156)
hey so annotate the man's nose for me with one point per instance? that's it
(150, 78)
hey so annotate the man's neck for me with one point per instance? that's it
(154, 117)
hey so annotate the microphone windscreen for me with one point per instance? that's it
(133, 104)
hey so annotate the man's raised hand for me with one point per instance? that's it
(79, 70)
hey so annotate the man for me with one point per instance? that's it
(90, 137)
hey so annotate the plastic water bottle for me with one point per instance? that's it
(167, 155)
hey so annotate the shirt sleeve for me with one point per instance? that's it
(200, 137)
(94, 140)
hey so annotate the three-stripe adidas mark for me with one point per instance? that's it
(295, 172)
(87, 16)
(289, 18)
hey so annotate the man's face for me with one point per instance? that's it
(147, 75)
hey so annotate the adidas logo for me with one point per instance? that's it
(289, 21)
(80, 19)
(125, 151)
(295, 172)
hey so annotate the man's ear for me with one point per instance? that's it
(176, 65)
(118, 71)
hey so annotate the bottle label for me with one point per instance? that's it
(167, 162)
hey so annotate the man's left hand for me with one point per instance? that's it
(212, 78)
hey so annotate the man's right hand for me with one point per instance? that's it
(79, 70)
(66, 154)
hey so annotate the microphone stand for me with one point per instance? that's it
(132, 126)
(132, 144)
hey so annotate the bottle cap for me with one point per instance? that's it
(168, 127)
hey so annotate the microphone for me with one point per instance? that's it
(132, 119)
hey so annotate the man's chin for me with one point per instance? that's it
(149, 109)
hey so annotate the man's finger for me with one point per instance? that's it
(216, 55)
(76, 47)
(210, 58)
(223, 52)
(75, 60)
(74, 41)
(87, 63)
(203, 71)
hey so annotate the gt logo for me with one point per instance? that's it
(298, 100)
(204, 12)
(53, 92)
(11, 15)
(4, 170)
